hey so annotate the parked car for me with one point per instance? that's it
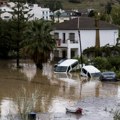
(60, 61)
(90, 71)
(108, 76)
(67, 66)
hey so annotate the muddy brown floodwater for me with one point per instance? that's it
(57, 91)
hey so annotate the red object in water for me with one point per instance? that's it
(79, 110)
(74, 110)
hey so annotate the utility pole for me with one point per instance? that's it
(81, 59)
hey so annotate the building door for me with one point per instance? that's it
(64, 54)
(72, 53)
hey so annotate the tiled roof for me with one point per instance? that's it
(85, 23)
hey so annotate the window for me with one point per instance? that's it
(72, 36)
(6, 16)
(63, 37)
(72, 54)
(75, 65)
(60, 69)
(84, 71)
(68, 70)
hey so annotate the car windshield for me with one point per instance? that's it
(61, 61)
(61, 69)
(96, 74)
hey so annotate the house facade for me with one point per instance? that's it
(70, 43)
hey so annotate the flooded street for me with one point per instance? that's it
(56, 91)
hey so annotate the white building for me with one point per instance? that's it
(6, 12)
(36, 11)
(39, 13)
(68, 40)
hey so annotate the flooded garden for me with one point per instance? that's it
(56, 92)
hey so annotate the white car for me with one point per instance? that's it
(90, 71)
(67, 66)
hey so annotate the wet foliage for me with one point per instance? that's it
(116, 115)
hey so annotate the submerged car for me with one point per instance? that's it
(67, 66)
(108, 76)
(90, 71)
(60, 61)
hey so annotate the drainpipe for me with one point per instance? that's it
(68, 49)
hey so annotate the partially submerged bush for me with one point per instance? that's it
(116, 115)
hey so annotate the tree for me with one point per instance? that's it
(58, 13)
(53, 5)
(19, 19)
(92, 13)
(115, 13)
(108, 7)
(5, 38)
(39, 42)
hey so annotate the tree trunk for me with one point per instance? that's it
(39, 65)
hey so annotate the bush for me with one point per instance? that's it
(101, 63)
(118, 74)
(117, 115)
(115, 62)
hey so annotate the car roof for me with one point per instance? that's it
(91, 69)
(68, 62)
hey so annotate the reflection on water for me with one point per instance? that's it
(57, 91)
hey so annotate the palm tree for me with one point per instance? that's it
(39, 42)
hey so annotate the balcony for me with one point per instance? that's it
(67, 43)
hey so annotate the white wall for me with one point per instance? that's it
(108, 36)
(88, 37)
(39, 12)
(6, 16)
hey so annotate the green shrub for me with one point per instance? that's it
(101, 63)
(115, 62)
(116, 115)
(118, 74)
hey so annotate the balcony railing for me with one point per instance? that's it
(60, 42)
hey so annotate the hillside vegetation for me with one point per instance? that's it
(94, 4)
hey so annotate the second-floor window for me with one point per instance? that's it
(63, 37)
(72, 36)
